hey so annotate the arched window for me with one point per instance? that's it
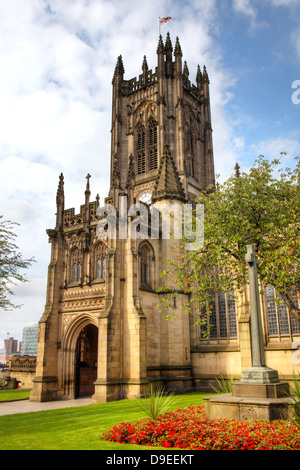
(100, 261)
(75, 265)
(221, 322)
(146, 265)
(279, 320)
(192, 170)
(146, 146)
(152, 127)
(141, 149)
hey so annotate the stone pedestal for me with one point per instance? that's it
(253, 400)
(277, 390)
(243, 408)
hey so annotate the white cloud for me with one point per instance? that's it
(285, 3)
(272, 148)
(245, 7)
(295, 40)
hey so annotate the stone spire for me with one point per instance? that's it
(168, 184)
(87, 200)
(168, 45)
(178, 59)
(186, 70)
(145, 70)
(169, 52)
(199, 77)
(205, 74)
(60, 202)
(160, 58)
(87, 189)
(177, 50)
(160, 46)
(145, 65)
(119, 69)
(60, 197)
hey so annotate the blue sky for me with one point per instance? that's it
(57, 61)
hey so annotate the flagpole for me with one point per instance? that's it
(160, 21)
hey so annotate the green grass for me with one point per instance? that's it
(14, 394)
(75, 428)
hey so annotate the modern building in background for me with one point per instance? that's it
(10, 345)
(30, 340)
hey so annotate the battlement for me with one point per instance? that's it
(143, 80)
(72, 221)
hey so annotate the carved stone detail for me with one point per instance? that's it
(82, 304)
(143, 188)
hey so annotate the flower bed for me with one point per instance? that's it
(190, 429)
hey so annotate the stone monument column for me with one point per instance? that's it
(258, 373)
(259, 394)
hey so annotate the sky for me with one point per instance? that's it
(57, 60)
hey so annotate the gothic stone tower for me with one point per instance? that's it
(102, 332)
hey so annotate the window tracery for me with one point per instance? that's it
(222, 322)
(153, 162)
(100, 261)
(141, 150)
(75, 265)
(146, 140)
(146, 265)
(279, 320)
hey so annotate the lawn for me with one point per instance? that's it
(75, 428)
(14, 394)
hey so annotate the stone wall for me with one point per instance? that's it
(22, 368)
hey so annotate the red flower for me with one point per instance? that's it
(190, 429)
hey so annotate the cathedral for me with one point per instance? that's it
(102, 333)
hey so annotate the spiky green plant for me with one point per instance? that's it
(157, 403)
(295, 396)
(223, 385)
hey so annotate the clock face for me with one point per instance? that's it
(146, 198)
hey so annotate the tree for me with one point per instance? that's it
(11, 263)
(261, 208)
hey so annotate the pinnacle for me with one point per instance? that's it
(177, 50)
(160, 47)
(199, 75)
(119, 69)
(168, 45)
(60, 190)
(205, 75)
(185, 70)
(145, 65)
(168, 184)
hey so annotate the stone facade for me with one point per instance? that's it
(102, 332)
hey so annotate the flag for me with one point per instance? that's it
(164, 20)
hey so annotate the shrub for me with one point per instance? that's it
(157, 403)
(223, 385)
(295, 395)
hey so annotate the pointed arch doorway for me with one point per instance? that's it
(85, 364)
